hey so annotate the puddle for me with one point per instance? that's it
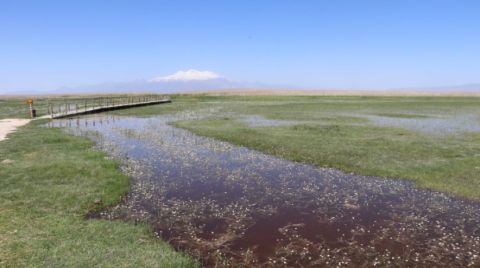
(232, 206)
(260, 121)
(456, 124)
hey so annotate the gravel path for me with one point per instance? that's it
(230, 205)
(9, 125)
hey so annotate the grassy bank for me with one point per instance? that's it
(48, 181)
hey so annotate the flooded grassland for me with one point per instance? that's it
(229, 205)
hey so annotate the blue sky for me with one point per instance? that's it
(314, 44)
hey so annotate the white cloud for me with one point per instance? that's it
(188, 75)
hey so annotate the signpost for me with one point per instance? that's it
(33, 113)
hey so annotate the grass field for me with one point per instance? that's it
(49, 181)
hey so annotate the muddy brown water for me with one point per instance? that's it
(232, 206)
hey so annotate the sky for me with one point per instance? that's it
(309, 44)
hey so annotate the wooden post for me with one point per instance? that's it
(30, 104)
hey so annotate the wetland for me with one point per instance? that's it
(226, 204)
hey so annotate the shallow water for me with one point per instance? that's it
(438, 125)
(260, 121)
(230, 205)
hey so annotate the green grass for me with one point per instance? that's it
(331, 133)
(45, 192)
(13, 108)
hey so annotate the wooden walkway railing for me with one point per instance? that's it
(101, 104)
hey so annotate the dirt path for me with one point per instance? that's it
(9, 125)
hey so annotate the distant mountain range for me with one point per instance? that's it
(160, 86)
(207, 81)
(459, 88)
(225, 84)
(181, 81)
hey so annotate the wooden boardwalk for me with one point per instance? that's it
(97, 105)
